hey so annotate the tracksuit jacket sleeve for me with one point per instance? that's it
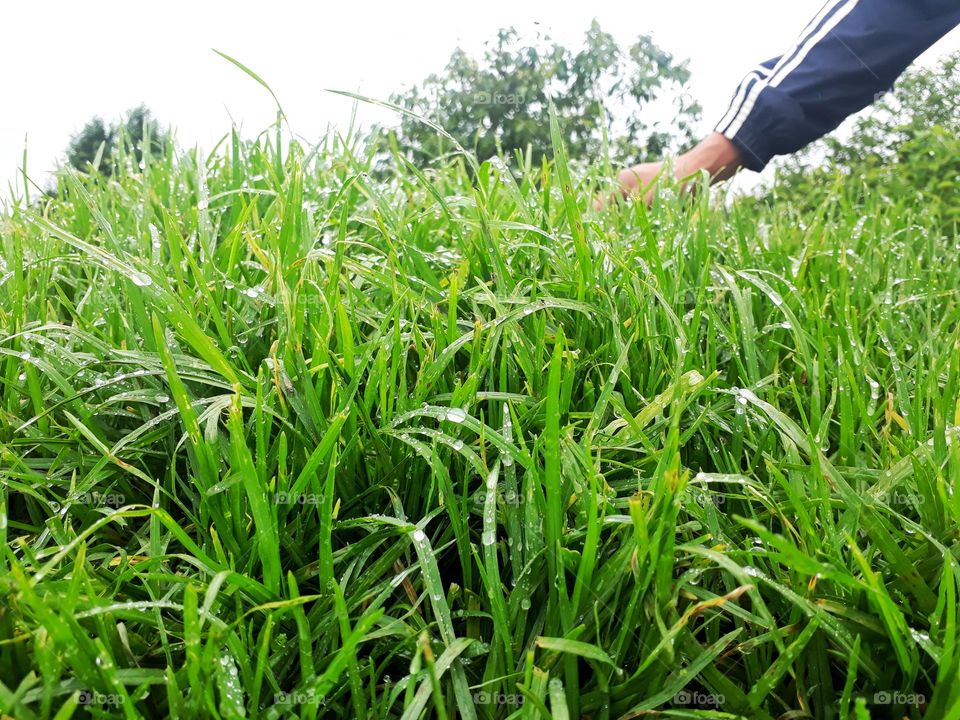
(850, 53)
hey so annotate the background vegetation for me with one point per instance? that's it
(496, 105)
(282, 438)
(99, 145)
(907, 145)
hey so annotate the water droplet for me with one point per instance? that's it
(418, 536)
(141, 279)
(456, 415)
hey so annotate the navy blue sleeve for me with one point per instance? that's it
(850, 52)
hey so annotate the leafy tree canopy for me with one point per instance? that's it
(97, 145)
(500, 101)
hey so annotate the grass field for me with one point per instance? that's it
(284, 437)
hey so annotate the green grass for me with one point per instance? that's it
(286, 437)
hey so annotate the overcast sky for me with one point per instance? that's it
(65, 61)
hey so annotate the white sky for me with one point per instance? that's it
(65, 61)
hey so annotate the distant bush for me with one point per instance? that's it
(96, 147)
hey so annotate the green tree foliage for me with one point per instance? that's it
(97, 146)
(500, 101)
(91, 146)
(907, 147)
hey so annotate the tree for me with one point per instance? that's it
(500, 102)
(140, 125)
(96, 146)
(92, 146)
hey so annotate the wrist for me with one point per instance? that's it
(715, 154)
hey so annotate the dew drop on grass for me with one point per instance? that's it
(456, 415)
(489, 537)
(418, 536)
(741, 404)
(525, 604)
(874, 395)
(141, 279)
(457, 445)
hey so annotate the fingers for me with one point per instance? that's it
(631, 182)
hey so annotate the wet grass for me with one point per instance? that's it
(284, 437)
